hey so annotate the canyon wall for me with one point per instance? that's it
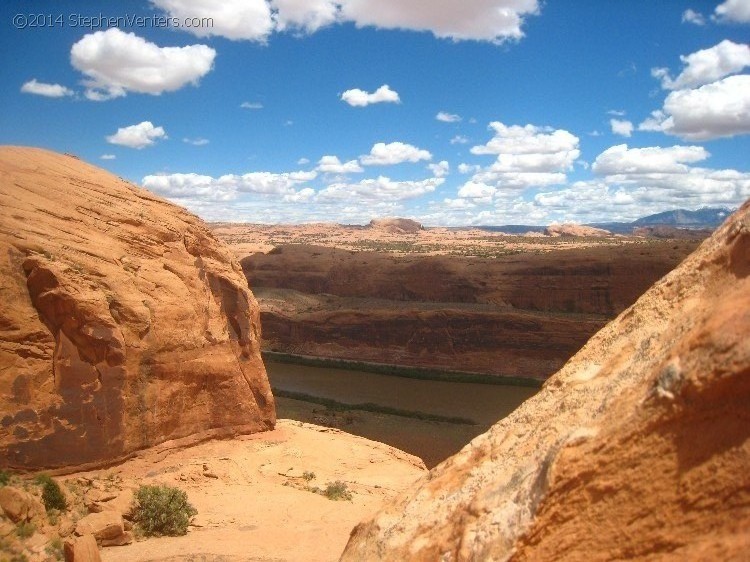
(124, 322)
(524, 313)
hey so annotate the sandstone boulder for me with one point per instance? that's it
(81, 549)
(637, 448)
(103, 525)
(19, 505)
(124, 322)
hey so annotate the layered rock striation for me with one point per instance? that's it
(637, 448)
(520, 314)
(124, 322)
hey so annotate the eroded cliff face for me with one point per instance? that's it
(124, 322)
(521, 314)
(637, 448)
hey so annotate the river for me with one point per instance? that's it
(433, 441)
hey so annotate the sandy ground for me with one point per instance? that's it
(250, 498)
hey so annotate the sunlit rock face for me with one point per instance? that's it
(124, 322)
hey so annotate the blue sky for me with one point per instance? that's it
(450, 112)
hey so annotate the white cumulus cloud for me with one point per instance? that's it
(137, 136)
(737, 11)
(108, 157)
(528, 139)
(184, 186)
(620, 159)
(360, 98)
(633, 182)
(381, 188)
(475, 190)
(621, 127)
(116, 62)
(332, 165)
(251, 105)
(234, 19)
(706, 66)
(720, 109)
(382, 154)
(440, 170)
(464, 168)
(305, 15)
(447, 117)
(691, 16)
(288, 185)
(527, 156)
(495, 21)
(46, 90)
(481, 20)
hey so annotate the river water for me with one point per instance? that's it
(432, 441)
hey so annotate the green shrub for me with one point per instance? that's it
(307, 476)
(55, 549)
(52, 495)
(162, 510)
(25, 529)
(337, 491)
(4, 477)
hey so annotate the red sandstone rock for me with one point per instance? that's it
(103, 525)
(569, 229)
(81, 549)
(519, 314)
(19, 505)
(124, 322)
(638, 448)
(395, 225)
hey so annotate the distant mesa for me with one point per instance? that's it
(396, 225)
(124, 323)
(570, 229)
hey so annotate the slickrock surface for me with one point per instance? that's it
(124, 322)
(251, 498)
(638, 448)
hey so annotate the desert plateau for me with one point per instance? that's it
(374, 281)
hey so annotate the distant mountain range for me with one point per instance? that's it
(708, 218)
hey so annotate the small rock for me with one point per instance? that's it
(122, 540)
(122, 504)
(81, 549)
(94, 496)
(104, 525)
(65, 527)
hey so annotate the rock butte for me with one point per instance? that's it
(396, 225)
(638, 448)
(575, 230)
(124, 322)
